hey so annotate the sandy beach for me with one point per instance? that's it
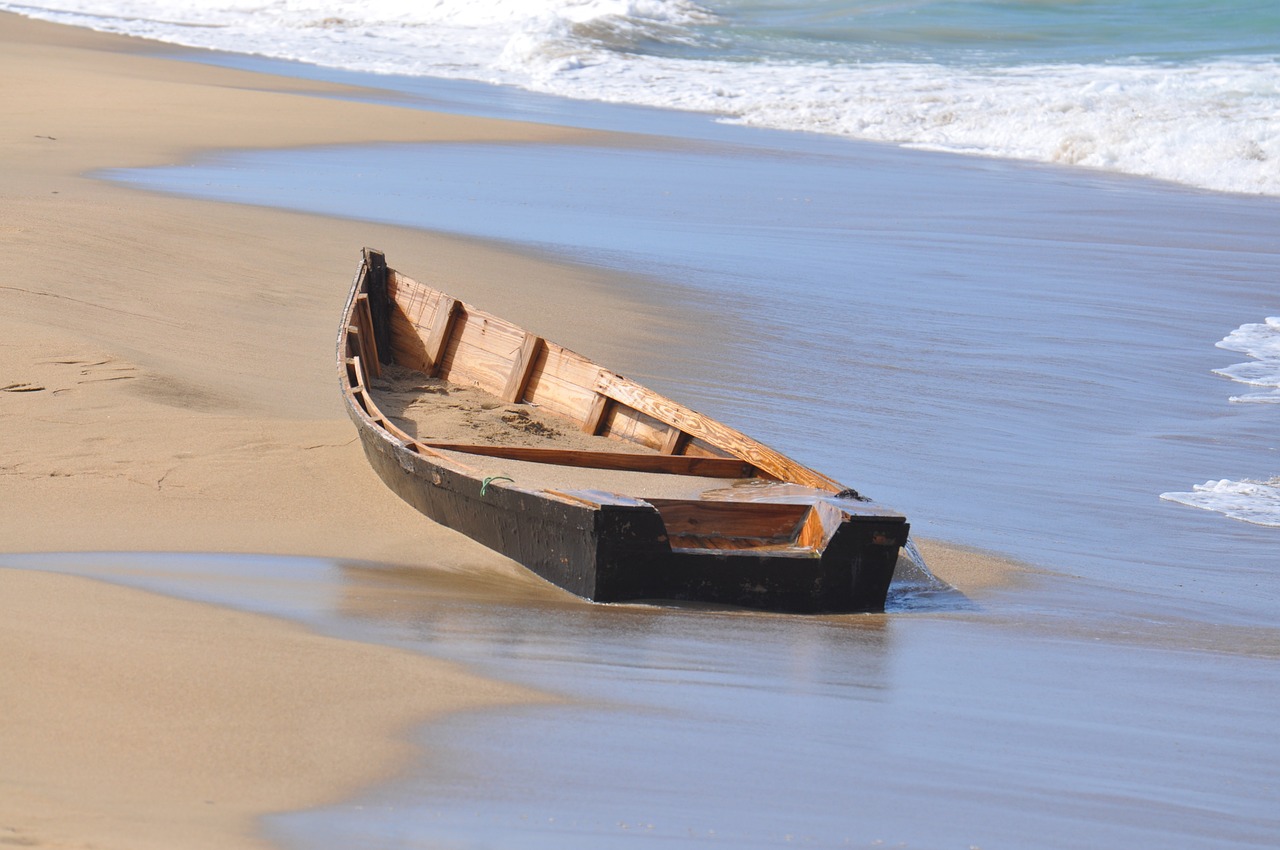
(166, 385)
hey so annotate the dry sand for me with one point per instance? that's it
(167, 384)
(133, 721)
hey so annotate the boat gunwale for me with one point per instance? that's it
(607, 459)
(609, 547)
(358, 396)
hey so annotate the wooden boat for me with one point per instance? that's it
(671, 505)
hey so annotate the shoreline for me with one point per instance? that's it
(169, 378)
(249, 388)
(134, 720)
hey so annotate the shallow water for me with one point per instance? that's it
(1019, 358)
(1183, 90)
(955, 725)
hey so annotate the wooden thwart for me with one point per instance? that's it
(796, 541)
(761, 522)
(707, 467)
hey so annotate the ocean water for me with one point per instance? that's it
(1181, 90)
(1033, 358)
(1251, 500)
(1020, 358)
(952, 726)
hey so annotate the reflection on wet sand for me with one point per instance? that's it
(964, 723)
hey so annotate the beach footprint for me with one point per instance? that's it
(96, 370)
(61, 374)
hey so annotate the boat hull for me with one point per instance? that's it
(621, 552)
(792, 540)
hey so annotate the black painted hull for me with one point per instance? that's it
(618, 553)
(807, 545)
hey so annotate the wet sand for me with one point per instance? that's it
(168, 385)
(962, 724)
(132, 720)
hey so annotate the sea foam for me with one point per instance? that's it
(1261, 341)
(1255, 501)
(1211, 123)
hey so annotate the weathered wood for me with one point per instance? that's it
(479, 352)
(353, 348)
(701, 448)
(819, 524)
(417, 302)
(599, 498)
(675, 440)
(595, 416)
(357, 368)
(563, 382)
(438, 338)
(375, 288)
(693, 543)
(779, 547)
(415, 311)
(765, 522)
(762, 457)
(367, 335)
(631, 426)
(706, 467)
(522, 369)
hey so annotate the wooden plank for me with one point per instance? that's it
(563, 382)
(357, 369)
(707, 467)
(418, 302)
(379, 304)
(441, 331)
(759, 521)
(408, 348)
(675, 437)
(631, 426)
(730, 545)
(739, 445)
(819, 525)
(352, 346)
(368, 339)
(352, 375)
(556, 395)
(522, 369)
(595, 416)
(597, 498)
(480, 351)
(710, 547)
(702, 448)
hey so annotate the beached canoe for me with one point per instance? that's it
(593, 482)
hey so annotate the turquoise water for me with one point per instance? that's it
(1020, 357)
(1183, 91)
(1005, 32)
(981, 726)
(1016, 357)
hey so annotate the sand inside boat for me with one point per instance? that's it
(432, 410)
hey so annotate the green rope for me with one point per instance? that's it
(485, 484)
